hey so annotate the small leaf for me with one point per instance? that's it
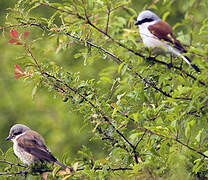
(26, 34)
(55, 170)
(206, 153)
(66, 177)
(14, 33)
(120, 67)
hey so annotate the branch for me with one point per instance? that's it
(108, 19)
(140, 139)
(14, 173)
(112, 139)
(12, 164)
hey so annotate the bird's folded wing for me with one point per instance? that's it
(163, 31)
(34, 144)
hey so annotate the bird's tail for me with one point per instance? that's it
(61, 164)
(185, 58)
(192, 65)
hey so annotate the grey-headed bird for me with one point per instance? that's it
(29, 146)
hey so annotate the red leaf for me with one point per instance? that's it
(18, 72)
(26, 34)
(13, 41)
(14, 33)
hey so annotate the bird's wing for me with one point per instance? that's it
(34, 144)
(163, 31)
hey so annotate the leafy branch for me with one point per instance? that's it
(117, 59)
(41, 171)
(89, 22)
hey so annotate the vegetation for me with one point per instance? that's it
(77, 72)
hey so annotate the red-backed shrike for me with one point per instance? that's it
(30, 146)
(156, 33)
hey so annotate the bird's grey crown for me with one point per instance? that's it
(147, 14)
(18, 129)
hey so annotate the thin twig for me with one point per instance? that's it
(13, 173)
(140, 139)
(108, 19)
(12, 164)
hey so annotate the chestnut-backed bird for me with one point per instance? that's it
(156, 33)
(29, 146)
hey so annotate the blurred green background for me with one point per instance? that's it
(58, 122)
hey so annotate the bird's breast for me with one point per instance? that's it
(149, 40)
(25, 157)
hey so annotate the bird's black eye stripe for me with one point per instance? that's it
(144, 21)
(17, 133)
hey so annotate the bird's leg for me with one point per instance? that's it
(150, 54)
(171, 62)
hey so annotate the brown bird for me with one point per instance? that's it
(30, 146)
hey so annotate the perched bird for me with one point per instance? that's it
(30, 146)
(156, 33)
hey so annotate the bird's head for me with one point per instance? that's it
(16, 130)
(146, 16)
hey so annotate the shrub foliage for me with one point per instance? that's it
(151, 118)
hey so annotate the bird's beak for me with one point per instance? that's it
(137, 23)
(8, 138)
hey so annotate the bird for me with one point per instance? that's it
(156, 33)
(29, 146)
